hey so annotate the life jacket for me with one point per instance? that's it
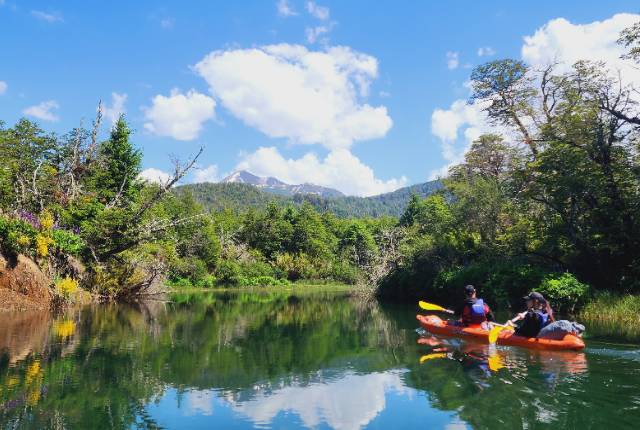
(533, 322)
(544, 318)
(476, 313)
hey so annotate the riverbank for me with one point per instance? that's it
(613, 317)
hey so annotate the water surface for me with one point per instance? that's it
(293, 360)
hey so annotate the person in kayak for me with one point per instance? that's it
(473, 310)
(537, 316)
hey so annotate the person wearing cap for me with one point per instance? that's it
(535, 318)
(474, 310)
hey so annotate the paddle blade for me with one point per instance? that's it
(430, 306)
(493, 334)
(432, 356)
(495, 362)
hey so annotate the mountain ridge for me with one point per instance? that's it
(275, 185)
(237, 196)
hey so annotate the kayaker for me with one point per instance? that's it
(535, 318)
(473, 310)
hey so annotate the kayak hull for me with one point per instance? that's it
(436, 325)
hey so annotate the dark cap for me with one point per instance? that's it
(535, 296)
(469, 289)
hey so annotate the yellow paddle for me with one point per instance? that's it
(495, 331)
(432, 356)
(431, 307)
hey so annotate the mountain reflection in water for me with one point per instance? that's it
(294, 360)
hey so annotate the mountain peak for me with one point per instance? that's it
(276, 186)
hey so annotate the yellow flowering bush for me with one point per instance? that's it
(46, 220)
(66, 287)
(23, 240)
(42, 245)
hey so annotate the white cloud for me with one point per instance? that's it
(309, 97)
(486, 51)
(3, 87)
(155, 176)
(452, 60)
(560, 40)
(348, 402)
(320, 12)
(179, 116)
(206, 174)
(43, 111)
(340, 169)
(314, 32)
(285, 9)
(49, 17)
(117, 108)
(460, 120)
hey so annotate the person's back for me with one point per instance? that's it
(474, 310)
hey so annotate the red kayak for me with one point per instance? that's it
(436, 325)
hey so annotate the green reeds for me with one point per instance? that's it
(613, 317)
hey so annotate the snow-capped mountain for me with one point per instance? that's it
(275, 185)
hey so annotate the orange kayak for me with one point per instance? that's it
(436, 325)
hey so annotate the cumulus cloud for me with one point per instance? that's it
(113, 112)
(486, 51)
(3, 87)
(340, 169)
(560, 40)
(43, 111)
(209, 173)
(456, 128)
(320, 12)
(453, 60)
(155, 176)
(50, 17)
(313, 33)
(179, 116)
(308, 97)
(285, 9)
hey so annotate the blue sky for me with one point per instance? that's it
(357, 95)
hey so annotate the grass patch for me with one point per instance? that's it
(613, 317)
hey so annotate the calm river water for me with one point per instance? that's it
(293, 360)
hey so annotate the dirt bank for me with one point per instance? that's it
(23, 286)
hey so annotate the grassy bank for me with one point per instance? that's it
(613, 317)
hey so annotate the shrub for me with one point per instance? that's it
(255, 269)
(65, 287)
(68, 242)
(342, 271)
(263, 281)
(228, 272)
(209, 281)
(295, 266)
(564, 291)
(191, 268)
(16, 236)
(180, 283)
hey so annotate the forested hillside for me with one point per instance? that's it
(237, 197)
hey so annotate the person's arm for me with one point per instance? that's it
(518, 317)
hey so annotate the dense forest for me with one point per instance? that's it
(239, 197)
(549, 201)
